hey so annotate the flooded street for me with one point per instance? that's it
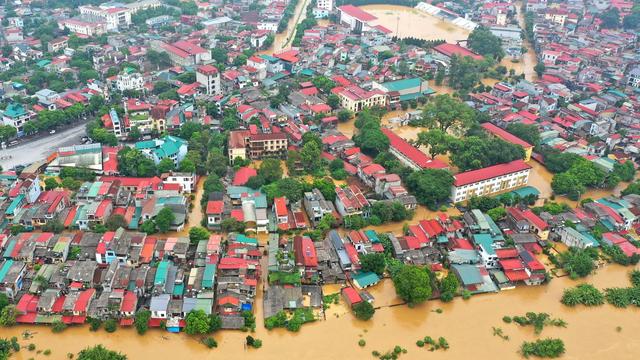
(467, 326)
(404, 22)
(283, 40)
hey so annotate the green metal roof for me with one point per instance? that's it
(15, 110)
(364, 279)
(9, 249)
(178, 289)
(5, 269)
(161, 273)
(486, 241)
(372, 235)
(93, 190)
(241, 238)
(469, 274)
(209, 276)
(14, 204)
(403, 84)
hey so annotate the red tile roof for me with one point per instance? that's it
(357, 13)
(453, 49)
(504, 135)
(352, 295)
(490, 172)
(215, 207)
(305, 251)
(412, 153)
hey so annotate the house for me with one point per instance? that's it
(167, 147)
(404, 90)
(572, 238)
(186, 181)
(305, 253)
(214, 212)
(449, 50)
(316, 206)
(16, 115)
(281, 212)
(350, 201)
(489, 180)
(351, 296)
(243, 144)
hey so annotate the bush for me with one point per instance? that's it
(47, 352)
(362, 343)
(550, 348)
(584, 294)
(506, 319)
(110, 325)
(210, 342)
(618, 297)
(31, 347)
(94, 324)
(58, 326)
(420, 343)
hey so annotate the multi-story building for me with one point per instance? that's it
(489, 180)
(114, 17)
(325, 4)
(187, 181)
(128, 80)
(83, 27)
(58, 44)
(243, 144)
(170, 147)
(16, 115)
(186, 53)
(209, 77)
(356, 99)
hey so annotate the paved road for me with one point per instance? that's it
(32, 150)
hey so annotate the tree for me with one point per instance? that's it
(610, 18)
(54, 225)
(413, 284)
(149, 227)
(198, 233)
(231, 225)
(110, 325)
(187, 165)
(631, 21)
(270, 170)
(578, 262)
(449, 287)
(310, 156)
(344, 115)
(4, 301)
(364, 310)
(374, 262)
(132, 162)
(436, 141)
(625, 171)
(539, 69)
(99, 352)
(164, 219)
(8, 315)
(197, 322)
(51, 183)
(166, 165)
(484, 42)
(528, 133)
(215, 323)
(431, 187)
(141, 321)
(115, 222)
(497, 213)
(333, 100)
(446, 114)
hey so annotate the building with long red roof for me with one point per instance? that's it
(409, 154)
(510, 138)
(489, 180)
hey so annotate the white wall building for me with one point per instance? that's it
(186, 180)
(129, 81)
(114, 17)
(489, 180)
(209, 77)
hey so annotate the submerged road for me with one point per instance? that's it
(36, 149)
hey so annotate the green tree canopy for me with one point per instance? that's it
(482, 41)
(412, 283)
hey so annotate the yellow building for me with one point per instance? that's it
(356, 99)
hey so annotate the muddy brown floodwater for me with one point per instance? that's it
(405, 21)
(467, 326)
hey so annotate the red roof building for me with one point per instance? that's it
(490, 180)
(410, 155)
(450, 50)
(305, 252)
